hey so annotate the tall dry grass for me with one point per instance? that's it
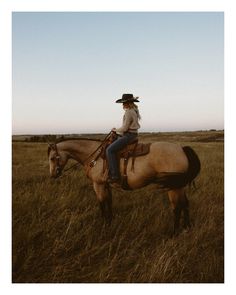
(59, 236)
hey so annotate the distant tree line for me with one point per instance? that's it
(44, 138)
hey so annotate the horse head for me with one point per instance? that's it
(57, 160)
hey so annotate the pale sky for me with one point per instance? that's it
(69, 68)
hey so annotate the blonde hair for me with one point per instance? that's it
(132, 105)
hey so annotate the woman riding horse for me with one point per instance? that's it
(168, 165)
(128, 132)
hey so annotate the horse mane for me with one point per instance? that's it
(76, 138)
(72, 138)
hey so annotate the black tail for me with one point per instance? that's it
(194, 166)
(176, 180)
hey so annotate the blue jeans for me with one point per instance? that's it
(111, 152)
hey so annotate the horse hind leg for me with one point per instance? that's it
(185, 205)
(175, 197)
(179, 204)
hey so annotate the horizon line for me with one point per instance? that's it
(142, 132)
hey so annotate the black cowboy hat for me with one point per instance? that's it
(127, 98)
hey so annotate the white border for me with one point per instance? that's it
(6, 8)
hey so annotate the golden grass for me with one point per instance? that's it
(59, 236)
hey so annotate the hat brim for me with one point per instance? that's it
(127, 100)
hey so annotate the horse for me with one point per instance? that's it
(169, 165)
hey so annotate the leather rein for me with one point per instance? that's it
(89, 165)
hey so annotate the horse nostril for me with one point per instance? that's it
(58, 172)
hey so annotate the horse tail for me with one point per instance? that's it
(172, 180)
(194, 164)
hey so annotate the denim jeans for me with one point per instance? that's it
(111, 152)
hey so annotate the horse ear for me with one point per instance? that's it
(49, 150)
(50, 147)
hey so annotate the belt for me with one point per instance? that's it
(129, 132)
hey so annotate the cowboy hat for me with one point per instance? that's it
(127, 98)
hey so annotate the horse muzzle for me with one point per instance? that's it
(57, 173)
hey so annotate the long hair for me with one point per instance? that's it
(132, 105)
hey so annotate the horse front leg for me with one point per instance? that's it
(109, 204)
(104, 197)
(102, 208)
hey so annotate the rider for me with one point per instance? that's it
(128, 132)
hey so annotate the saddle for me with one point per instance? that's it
(132, 150)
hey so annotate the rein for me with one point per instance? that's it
(54, 146)
(65, 170)
(93, 162)
(90, 165)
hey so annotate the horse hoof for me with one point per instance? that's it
(175, 233)
(108, 223)
(187, 229)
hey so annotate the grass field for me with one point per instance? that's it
(59, 236)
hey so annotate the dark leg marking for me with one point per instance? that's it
(177, 214)
(109, 208)
(186, 213)
(106, 207)
(103, 209)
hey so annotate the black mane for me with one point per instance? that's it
(71, 138)
(77, 138)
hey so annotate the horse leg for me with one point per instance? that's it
(177, 206)
(104, 197)
(102, 208)
(109, 204)
(185, 205)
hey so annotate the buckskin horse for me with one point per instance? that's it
(168, 165)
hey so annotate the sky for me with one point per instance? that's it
(69, 68)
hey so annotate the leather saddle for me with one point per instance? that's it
(132, 150)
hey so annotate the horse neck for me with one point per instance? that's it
(79, 150)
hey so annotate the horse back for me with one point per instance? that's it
(167, 157)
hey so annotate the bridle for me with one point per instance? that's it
(58, 167)
(86, 162)
(58, 157)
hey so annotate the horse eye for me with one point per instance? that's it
(52, 158)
